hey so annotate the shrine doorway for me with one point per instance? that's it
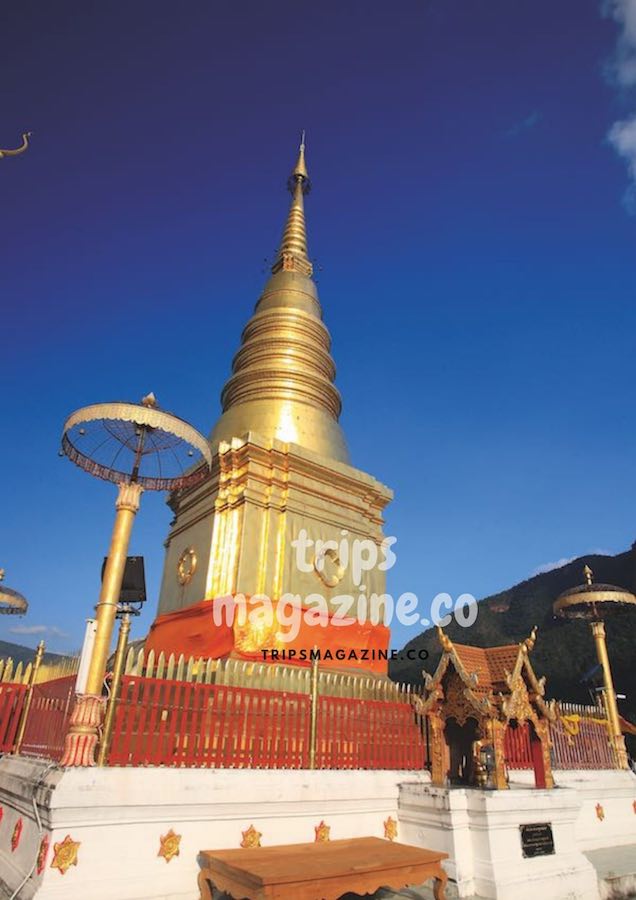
(460, 739)
(538, 763)
(524, 749)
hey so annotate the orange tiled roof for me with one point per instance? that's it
(490, 664)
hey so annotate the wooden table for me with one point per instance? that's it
(319, 871)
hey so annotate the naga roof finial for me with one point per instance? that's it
(20, 149)
(444, 640)
(530, 640)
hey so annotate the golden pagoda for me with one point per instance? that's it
(282, 382)
(281, 470)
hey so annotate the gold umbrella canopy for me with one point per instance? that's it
(11, 602)
(592, 601)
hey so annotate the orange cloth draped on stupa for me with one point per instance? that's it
(192, 631)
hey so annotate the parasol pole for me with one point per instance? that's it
(609, 694)
(83, 734)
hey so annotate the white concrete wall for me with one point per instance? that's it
(480, 832)
(614, 790)
(118, 816)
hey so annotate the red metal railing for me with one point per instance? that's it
(585, 746)
(517, 747)
(368, 734)
(176, 723)
(12, 698)
(48, 719)
(588, 748)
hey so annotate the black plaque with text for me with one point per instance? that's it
(537, 839)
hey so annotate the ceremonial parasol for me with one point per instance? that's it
(594, 602)
(138, 447)
(12, 603)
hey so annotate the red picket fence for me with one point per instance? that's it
(12, 698)
(368, 734)
(589, 749)
(48, 719)
(517, 747)
(177, 723)
(180, 723)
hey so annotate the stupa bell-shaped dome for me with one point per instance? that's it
(282, 382)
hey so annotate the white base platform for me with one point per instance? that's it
(613, 790)
(480, 830)
(118, 816)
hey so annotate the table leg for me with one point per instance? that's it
(205, 887)
(439, 887)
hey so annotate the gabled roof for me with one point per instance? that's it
(490, 664)
(493, 677)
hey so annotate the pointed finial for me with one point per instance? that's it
(443, 639)
(149, 400)
(292, 253)
(588, 574)
(531, 640)
(300, 169)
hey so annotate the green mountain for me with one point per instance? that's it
(19, 653)
(564, 651)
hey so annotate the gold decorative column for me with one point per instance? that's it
(609, 695)
(39, 653)
(497, 730)
(313, 721)
(118, 669)
(542, 729)
(127, 505)
(438, 750)
(87, 716)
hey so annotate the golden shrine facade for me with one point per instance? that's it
(475, 695)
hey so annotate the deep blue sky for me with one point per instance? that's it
(478, 272)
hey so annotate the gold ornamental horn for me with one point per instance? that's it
(18, 150)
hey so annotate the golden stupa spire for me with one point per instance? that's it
(281, 385)
(292, 254)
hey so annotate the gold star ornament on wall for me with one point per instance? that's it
(390, 829)
(251, 838)
(322, 833)
(65, 854)
(169, 845)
